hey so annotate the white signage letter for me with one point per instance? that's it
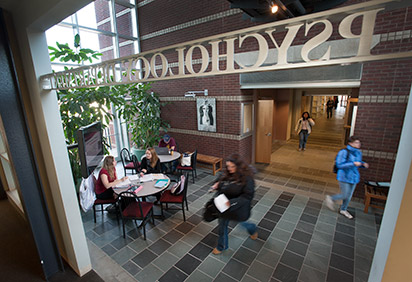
(317, 40)
(205, 59)
(230, 51)
(287, 41)
(365, 37)
(164, 65)
(262, 53)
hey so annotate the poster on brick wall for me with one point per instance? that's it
(206, 114)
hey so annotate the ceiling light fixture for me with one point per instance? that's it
(274, 8)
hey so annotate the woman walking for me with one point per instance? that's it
(107, 179)
(238, 186)
(304, 128)
(348, 161)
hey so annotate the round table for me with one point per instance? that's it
(148, 187)
(169, 158)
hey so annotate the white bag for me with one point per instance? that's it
(186, 159)
(86, 193)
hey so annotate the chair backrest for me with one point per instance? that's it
(186, 184)
(193, 159)
(125, 156)
(136, 163)
(130, 203)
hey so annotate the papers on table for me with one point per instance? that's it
(221, 202)
(134, 177)
(124, 183)
(146, 178)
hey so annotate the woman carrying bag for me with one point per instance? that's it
(238, 185)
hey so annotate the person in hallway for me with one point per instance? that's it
(329, 107)
(347, 175)
(107, 179)
(238, 185)
(304, 128)
(336, 101)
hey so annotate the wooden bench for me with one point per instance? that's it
(375, 191)
(210, 160)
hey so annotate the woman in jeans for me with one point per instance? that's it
(348, 174)
(304, 128)
(238, 186)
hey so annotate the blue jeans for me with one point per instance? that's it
(346, 190)
(223, 241)
(303, 138)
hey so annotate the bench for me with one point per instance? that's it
(375, 190)
(211, 161)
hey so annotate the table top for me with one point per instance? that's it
(148, 186)
(169, 158)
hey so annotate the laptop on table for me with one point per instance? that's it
(162, 150)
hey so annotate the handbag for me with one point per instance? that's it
(210, 212)
(186, 159)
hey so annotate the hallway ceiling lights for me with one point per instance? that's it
(257, 10)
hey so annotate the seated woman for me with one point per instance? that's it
(107, 179)
(150, 163)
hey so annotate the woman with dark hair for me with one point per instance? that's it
(107, 179)
(151, 162)
(238, 186)
(304, 128)
(347, 161)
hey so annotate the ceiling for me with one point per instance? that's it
(259, 10)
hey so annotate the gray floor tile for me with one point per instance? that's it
(343, 250)
(260, 272)
(292, 260)
(342, 263)
(320, 248)
(297, 247)
(235, 269)
(211, 266)
(286, 225)
(159, 246)
(309, 274)
(316, 261)
(149, 273)
(245, 255)
(198, 276)
(281, 234)
(285, 274)
(131, 268)
(165, 261)
(325, 227)
(192, 238)
(337, 275)
(123, 255)
(268, 257)
(275, 245)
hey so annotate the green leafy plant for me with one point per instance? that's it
(64, 53)
(142, 114)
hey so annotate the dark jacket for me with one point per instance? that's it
(146, 165)
(240, 197)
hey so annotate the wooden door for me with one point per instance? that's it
(264, 126)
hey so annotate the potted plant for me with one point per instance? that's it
(142, 115)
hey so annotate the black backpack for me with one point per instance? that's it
(335, 168)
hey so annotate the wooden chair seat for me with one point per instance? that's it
(374, 191)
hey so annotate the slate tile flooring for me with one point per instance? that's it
(299, 240)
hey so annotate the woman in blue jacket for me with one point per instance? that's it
(238, 186)
(348, 174)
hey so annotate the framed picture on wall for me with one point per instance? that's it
(206, 114)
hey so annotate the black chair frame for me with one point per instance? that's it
(184, 202)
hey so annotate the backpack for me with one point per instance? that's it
(335, 168)
(178, 188)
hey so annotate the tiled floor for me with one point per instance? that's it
(299, 238)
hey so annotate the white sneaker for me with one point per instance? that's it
(329, 203)
(347, 214)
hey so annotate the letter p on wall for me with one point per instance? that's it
(366, 34)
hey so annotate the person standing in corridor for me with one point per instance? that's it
(329, 107)
(304, 128)
(348, 161)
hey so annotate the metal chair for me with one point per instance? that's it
(136, 164)
(126, 160)
(191, 168)
(168, 198)
(101, 203)
(132, 208)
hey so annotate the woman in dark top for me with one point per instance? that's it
(238, 186)
(150, 163)
(107, 179)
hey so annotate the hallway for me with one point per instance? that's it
(300, 239)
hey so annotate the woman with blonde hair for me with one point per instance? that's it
(107, 179)
(151, 162)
